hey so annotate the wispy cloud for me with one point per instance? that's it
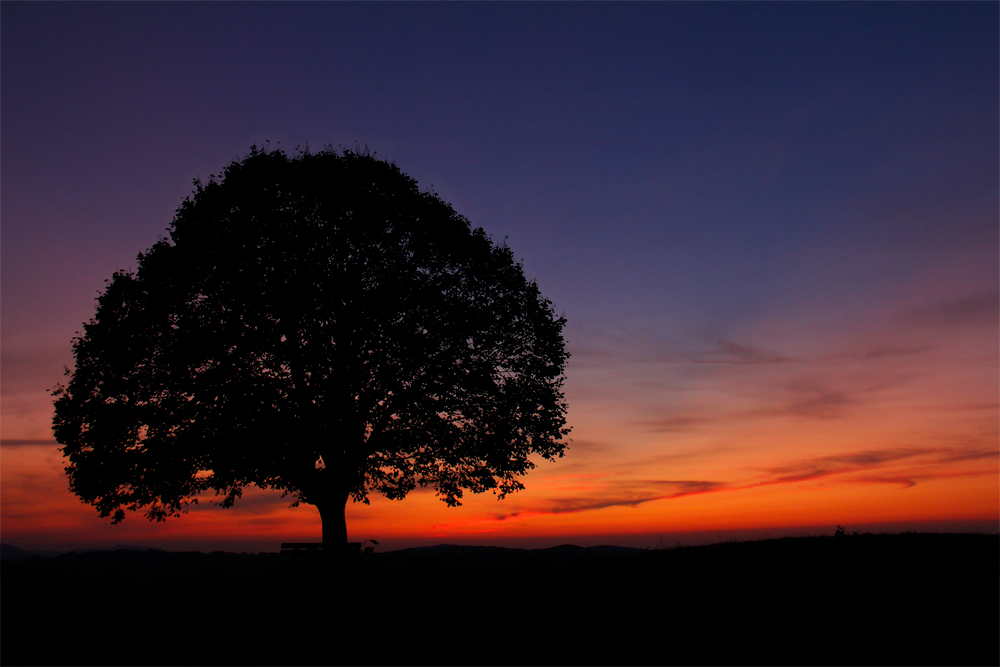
(674, 424)
(861, 461)
(638, 346)
(910, 480)
(813, 401)
(904, 467)
(14, 442)
(29, 368)
(972, 310)
(905, 481)
(953, 456)
(975, 406)
(805, 397)
(586, 355)
(844, 461)
(585, 445)
(621, 493)
(715, 351)
(731, 352)
(891, 350)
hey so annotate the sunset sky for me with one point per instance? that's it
(772, 228)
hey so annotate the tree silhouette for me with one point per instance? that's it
(317, 325)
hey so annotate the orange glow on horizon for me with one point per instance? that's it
(36, 506)
(841, 431)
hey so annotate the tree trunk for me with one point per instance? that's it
(332, 512)
(333, 516)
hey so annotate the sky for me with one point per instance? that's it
(772, 229)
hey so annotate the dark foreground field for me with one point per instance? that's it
(864, 599)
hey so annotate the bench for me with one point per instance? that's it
(314, 549)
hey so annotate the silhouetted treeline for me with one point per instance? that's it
(861, 599)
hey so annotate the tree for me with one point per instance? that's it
(317, 325)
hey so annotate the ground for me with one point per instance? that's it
(853, 599)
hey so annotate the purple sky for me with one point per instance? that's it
(703, 189)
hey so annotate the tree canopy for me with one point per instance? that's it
(318, 325)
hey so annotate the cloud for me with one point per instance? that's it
(674, 424)
(33, 369)
(823, 404)
(950, 456)
(860, 461)
(868, 466)
(589, 446)
(799, 477)
(889, 350)
(847, 460)
(799, 398)
(661, 386)
(720, 351)
(906, 482)
(614, 493)
(815, 397)
(703, 452)
(730, 352)
(589, 354)
(873, 457)
(639, 346)
(909, 480)
(974, 310)
(746, 382)
(975, 405)
(629, 493)
(13, 442)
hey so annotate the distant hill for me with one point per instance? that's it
(10, 552)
